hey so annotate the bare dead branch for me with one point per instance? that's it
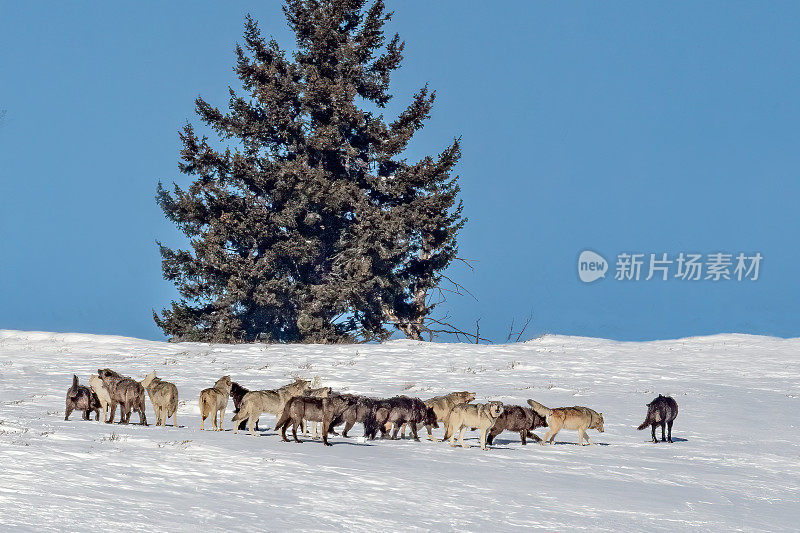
(450, 329)
(530, 317)
(459, 288)
(510, 330)
(467, 262)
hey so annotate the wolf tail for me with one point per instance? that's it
(284, 418)
(74, 392)
(203, 411)
(241, 413)
(540, 409)
(647, 421)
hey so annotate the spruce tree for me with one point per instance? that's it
(305, 222)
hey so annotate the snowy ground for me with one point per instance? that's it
(735, 463)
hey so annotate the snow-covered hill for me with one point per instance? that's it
(735, 463)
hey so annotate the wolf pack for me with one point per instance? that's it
(321, 410)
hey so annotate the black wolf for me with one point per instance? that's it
(516, 418)
(403, 410)
(82, 398)
(661, 411)
(237, 393)
(348, 408)
(358, 409)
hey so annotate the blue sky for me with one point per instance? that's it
(624, 127)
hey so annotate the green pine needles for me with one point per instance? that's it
(304, 221)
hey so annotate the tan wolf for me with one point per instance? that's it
(164, 397)
(255, 403)
(215, 400)
(481, 416)
(442, 406)
(102, 393)
(573, 418)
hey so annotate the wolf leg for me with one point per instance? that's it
(294, 431)
(221, 418)
(348, 426)
(492, 434)
(483, 438)
(461, 437)
(522, 436)
(452, 432)
(669, 431)
(653, 427)
(414, 433)
(429, 428)
(663, 436)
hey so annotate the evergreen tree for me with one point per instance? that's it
(305, 222)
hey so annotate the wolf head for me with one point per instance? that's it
(149, 378)
(495, 409)
(464, 396)
(299, 386)
(430, 417)
(598, 425)
(237, 392)
(224, 384)
(106, 373)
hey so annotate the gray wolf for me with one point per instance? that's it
(102, 394)
(517, 418)
(237, 393)
(81, 398)
(126, 392)
(215, 400)
(481, 416)
(661, 411)
(573, 418)
(322, 392)
(297, 410)
(255, 403)
(164, 397)
(402, 410)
